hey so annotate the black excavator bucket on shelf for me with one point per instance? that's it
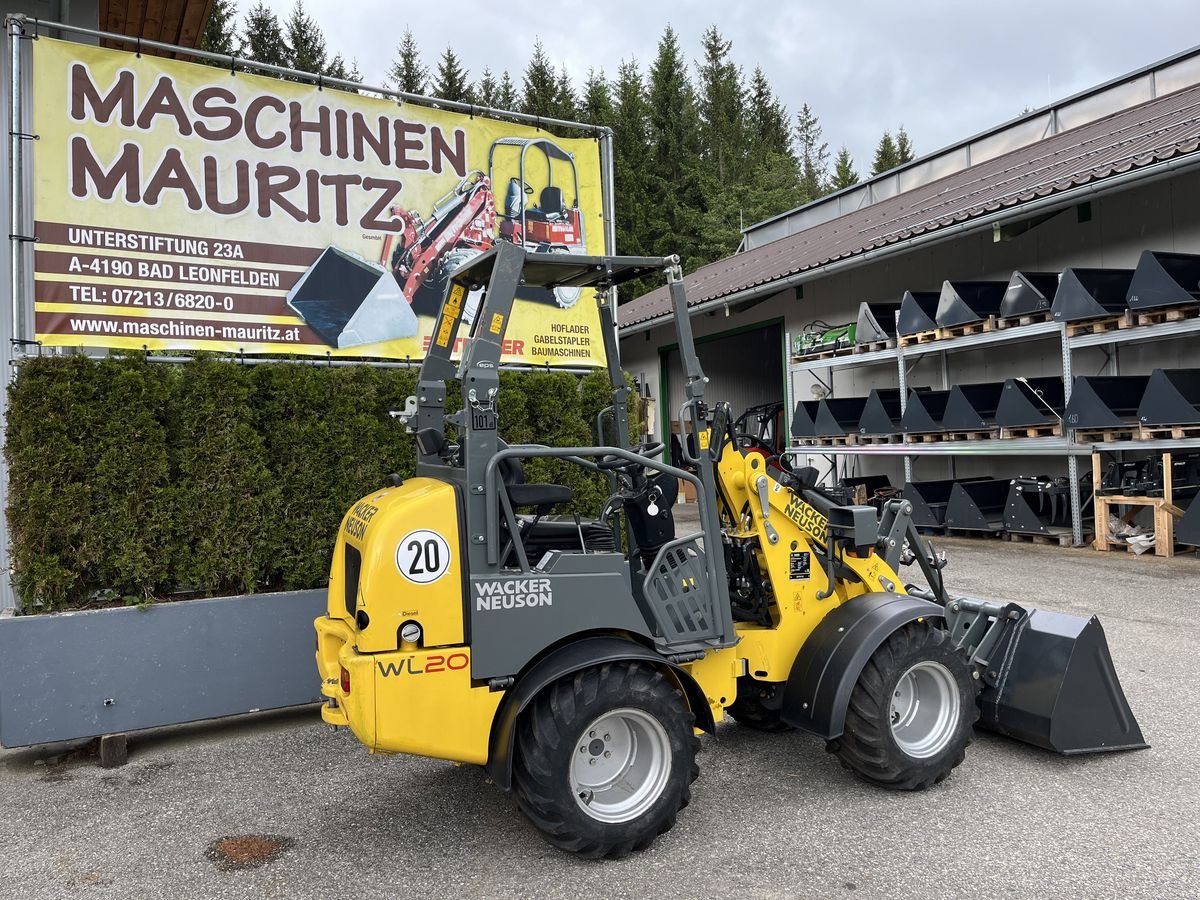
(881, 413)
(1091, 294)
(923, 411)
(965, 302)
(918, 312)
(972, 407)
(876, 322)
(1188, 529)
(1028, 293)
(1165, 279)
(928, 499)
(1038, 505)
(1172, 398)
(977, 505)
(804, 420)
(1105, 401)
(838, 416)
(1050, 682)
(1030, 402)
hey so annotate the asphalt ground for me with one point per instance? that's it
(771, 815)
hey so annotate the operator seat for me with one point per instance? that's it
(540, 532)
(550, 205)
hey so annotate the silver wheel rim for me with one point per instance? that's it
(620, 765)
(924, 709)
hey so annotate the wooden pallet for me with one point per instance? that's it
(881, 439)
(844, 440)
(1168, 432)
(1168, 314)
(919, 337)
(939, 437)
(824, 354)
(1033, 318)
(1053, 429)
(1053, 538)
(1097, 435)
(875, 346)
(1163, 508)
(1100, 326)
(956, 331)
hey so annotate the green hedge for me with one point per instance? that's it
(131, 481)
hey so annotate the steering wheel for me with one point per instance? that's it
(615, 463)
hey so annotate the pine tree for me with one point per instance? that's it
(843, 171)
(452, 82)
(596, 106)
(631, 164)
(506, 93)
(220, 31)
(722, 101)
(772, 182)
(263, 39)
(904, 147)
(767, 119)
(674, 192)
(407, 73)
(487, 88)
(337, 68)
(307, 42)
(814, 155)
(565, 103)
(539, 88)
(886, 155)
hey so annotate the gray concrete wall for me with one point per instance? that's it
(1163, 215)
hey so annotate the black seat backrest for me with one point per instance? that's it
(511, 470)
(551, 200)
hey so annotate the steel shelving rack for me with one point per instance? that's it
(1065, 445)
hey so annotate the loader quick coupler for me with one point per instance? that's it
(478, 616)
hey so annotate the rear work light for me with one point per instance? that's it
(345, 681)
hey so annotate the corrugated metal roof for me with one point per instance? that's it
(1134, 138)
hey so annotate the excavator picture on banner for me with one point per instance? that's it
(409, 279)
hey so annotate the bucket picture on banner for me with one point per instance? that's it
(185, 207)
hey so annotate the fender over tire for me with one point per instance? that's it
(827, 667)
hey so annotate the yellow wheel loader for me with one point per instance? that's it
(576, 659)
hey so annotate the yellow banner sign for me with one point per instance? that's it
(181, 206)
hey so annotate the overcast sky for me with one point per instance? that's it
(945, 69)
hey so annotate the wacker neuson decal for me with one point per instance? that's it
(513, 593)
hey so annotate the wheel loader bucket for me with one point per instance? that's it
(1090, 294)
(1051, 682)
(1028, 293)
(972, 407)
(924, 410)
(917, 311)
(1165, 279)
(876, 322)
(966, 302)
(805, 418)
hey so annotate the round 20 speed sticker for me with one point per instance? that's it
(423, 556)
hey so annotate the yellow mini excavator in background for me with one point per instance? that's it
(576, 659)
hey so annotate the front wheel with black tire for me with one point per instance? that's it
(911, 712)
(605, 759)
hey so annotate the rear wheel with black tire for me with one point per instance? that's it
(911, 713)
(605, 759)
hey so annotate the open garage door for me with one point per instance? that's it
(744, 369)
